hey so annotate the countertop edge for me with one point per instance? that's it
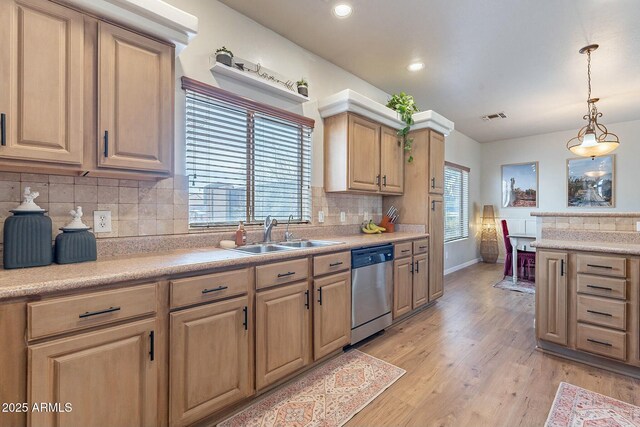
(608, 247)
(587, 214)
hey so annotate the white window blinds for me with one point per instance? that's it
(456, 202)
(243, 163)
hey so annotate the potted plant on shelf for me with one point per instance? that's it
(224, 56)
(303, 87)
(406, 107)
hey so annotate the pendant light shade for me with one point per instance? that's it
(594, 139)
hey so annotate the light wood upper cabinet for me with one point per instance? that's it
(331, 313)
(210, 364)
(283, 332)
(391, 162)
(41, 82)
(108, 376)
(402, 286)
(436, 163)
(551, 296)
(135, 101)
(364, 154)
(420, 280)
(436, 247)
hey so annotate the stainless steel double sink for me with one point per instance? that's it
(264, 248)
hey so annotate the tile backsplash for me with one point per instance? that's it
(590, 223)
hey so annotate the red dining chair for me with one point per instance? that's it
(526, 261)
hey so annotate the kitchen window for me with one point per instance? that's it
(245, 160)
(456, 202)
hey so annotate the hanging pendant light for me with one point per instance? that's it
(594, 139)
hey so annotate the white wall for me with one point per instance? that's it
(464, 151)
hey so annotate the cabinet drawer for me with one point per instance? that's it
(403, 249)
(331, 263)
(602, 265)
(605, 342)
(420, 246)
(59, 315)
(210, 287)
(602, 311)
(281, 272)
(602, 286)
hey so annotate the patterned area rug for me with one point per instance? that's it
(329, 395)
(576, 407)
(524, 286)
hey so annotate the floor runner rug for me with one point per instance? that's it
(523, 286)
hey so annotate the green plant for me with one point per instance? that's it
(302, 82)
(406, 107)
(224, 49)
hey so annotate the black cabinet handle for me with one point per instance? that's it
(245, 312)
(604, 288)
(384, 180)
(219, 288)
(422, 247)
(106, 143)
(417, 266)
(411, 271)
(335, 264)
(433, 183)
(152, 345)
(561, 267)
(95, 313)
(600, 342)
(433, 204)
(607, 267)
(306, 295)
(3, 129)
(320, 296)
(405, 250)
(290, 273)
(600, 313)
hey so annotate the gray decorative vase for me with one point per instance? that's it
(27, 240)
(75, 246)
(303, 90)
(224, 58)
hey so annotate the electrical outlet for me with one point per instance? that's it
(638, 226)
(321, 216)
(446, 255)
(366, 216)
(343, 217)
(102, 221)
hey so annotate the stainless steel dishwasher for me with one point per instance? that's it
(371, 290)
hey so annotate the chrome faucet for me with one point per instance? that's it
(268, 225)
(288, 236)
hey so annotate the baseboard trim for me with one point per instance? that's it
(461, 266)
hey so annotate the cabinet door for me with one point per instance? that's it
(402, 286)
(391, 162)
(436, 247)
(210, 366)
(135, 101)
(420, 280)
(109, 377)
(364, 154)
(551, 296)
(283, 329)
(41, 81)
(436, 163)
(331, 313)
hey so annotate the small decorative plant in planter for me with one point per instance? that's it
(224, 56)
(406, 107)
(303, 87)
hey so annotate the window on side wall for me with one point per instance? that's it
(456, 202)
(244, 160)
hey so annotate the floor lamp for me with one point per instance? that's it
(489, 240)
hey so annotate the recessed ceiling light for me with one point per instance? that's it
(416, 66)
(342, 10)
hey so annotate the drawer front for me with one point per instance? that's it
(420, 246)
(403, 249)
(210, 287)
(602, 286)
(281, 272)
(602, 265)
(331, 263)
(59, 315)
(602, 311)
(604, 342)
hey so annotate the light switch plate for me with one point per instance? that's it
(343, 217)
(366, 216)
(321, 216)
(638, 226)
(102, 221)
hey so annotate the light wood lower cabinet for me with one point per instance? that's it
(283, 332)
(551, 296)
(436, 247)
(210, 363)
(402, 286)
(331, 314)
(110, 378)
(420, 280)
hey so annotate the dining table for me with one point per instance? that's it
(518, 240)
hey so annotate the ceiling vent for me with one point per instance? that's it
(494, 116)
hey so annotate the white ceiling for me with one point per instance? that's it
(481, 56)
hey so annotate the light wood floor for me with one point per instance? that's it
(471, 361)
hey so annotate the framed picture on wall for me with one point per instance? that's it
(590, 182)
(520, 185)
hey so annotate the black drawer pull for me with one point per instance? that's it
(152, 345)
(608, 267)
(604, 288)
(600, 313)
(95, 313)
(600, 342)
(335, 264)
(405, 250)
(3, 129)
(422, 247)
(245, 312)
(290, 273)
(219, 288)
